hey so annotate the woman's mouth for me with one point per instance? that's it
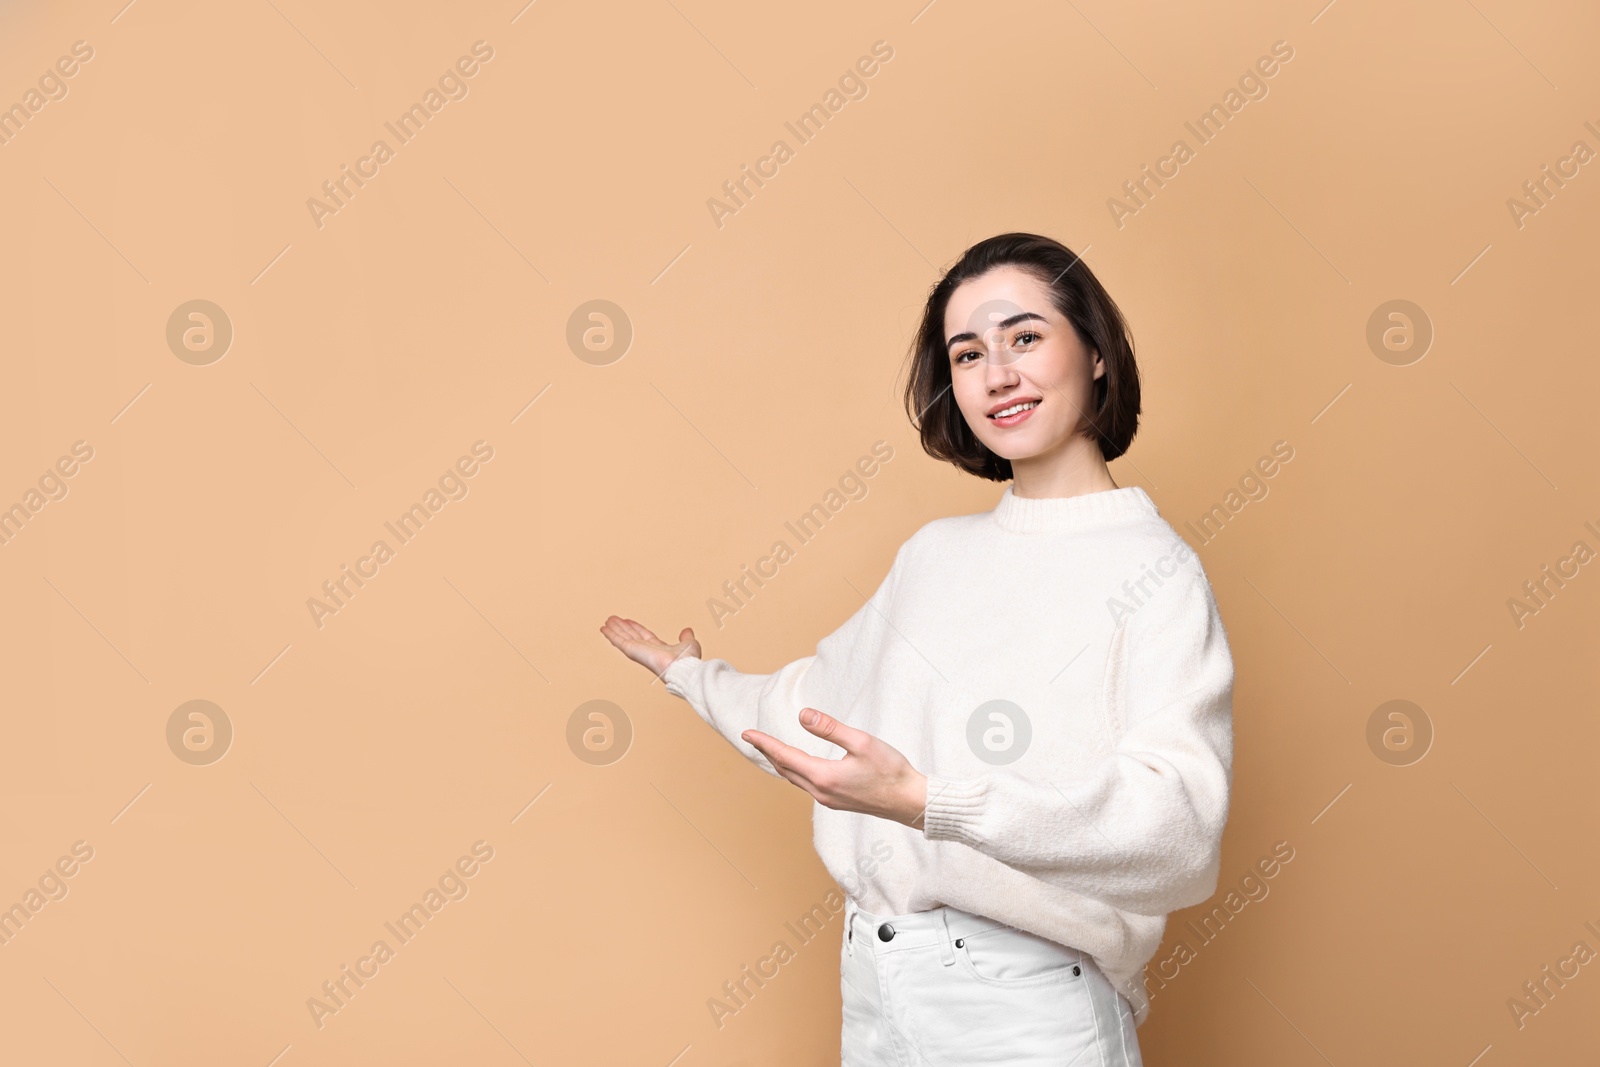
(1015, 414)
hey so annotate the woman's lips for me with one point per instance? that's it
(1017, 419)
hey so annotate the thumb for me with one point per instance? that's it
(827, 727)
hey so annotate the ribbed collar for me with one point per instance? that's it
(1060, 514)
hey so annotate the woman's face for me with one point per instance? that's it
(1008, 345)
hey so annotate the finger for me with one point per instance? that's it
(638, 630)
(623, 637)
(763, 744)
(826, 726)
(795, 764)
(632, 631)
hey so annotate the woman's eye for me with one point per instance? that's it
(1025, 338)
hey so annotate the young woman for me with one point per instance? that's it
(1021, 747)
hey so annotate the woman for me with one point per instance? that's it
(1034, 708)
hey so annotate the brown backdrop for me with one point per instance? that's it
(1336, 268)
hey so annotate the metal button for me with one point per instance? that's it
(885, 932)
(1074, 968)
(959, 940)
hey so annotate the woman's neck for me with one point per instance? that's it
(1070, 473)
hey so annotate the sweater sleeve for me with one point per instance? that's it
(732, 702)
(1143, 831)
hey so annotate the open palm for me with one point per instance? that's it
(643, 647)
(873, 778)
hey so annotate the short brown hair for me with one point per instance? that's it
(1113, 415)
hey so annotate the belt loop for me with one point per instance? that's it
(947, 954)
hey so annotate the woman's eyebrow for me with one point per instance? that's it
(1004, 325)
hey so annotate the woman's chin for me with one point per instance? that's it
(1012, 449)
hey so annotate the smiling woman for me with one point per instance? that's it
(1052, 782)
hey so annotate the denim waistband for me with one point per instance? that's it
(936, 927)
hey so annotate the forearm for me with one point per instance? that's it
(1143, 836)
(732, 702)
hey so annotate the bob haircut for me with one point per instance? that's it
(1113, 415)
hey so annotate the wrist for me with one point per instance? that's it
(916, 801)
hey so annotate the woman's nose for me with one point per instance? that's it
(1000, 366)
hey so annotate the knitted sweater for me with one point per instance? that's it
(1058, 670)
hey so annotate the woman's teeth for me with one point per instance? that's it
(1014, 409)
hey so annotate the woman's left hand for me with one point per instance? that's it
(872, 777)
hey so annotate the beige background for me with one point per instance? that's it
(433, 709)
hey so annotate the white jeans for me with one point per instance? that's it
(946, 987)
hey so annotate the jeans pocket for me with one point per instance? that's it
(953, 1016)
(1005, 956)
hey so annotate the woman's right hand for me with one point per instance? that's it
(644, 647)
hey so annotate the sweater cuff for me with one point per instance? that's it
(678, 674)
(955, 807)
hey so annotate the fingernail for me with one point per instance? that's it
(808, 717)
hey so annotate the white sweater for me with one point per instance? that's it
(1091, 615)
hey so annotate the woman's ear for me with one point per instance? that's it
(1099, 363)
